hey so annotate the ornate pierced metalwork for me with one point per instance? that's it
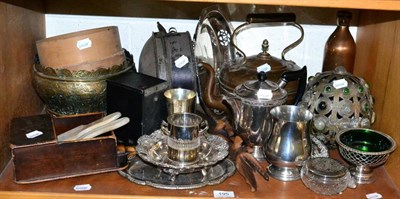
(338, 100)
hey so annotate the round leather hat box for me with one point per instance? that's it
(84, 50)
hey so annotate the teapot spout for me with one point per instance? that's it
(209, 97)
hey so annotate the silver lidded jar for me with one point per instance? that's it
(326, 176)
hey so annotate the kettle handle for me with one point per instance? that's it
(271, 19)
(298, 75)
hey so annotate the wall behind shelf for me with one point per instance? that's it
(134, 32)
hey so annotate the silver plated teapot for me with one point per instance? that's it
(250, 105)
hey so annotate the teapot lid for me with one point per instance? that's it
(261, 92)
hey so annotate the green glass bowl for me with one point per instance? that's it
(362, 146)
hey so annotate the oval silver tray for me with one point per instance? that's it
(153, 148)
(144, 173)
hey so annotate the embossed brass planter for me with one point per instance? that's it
(74, 93)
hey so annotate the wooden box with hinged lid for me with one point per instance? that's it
(44, 158)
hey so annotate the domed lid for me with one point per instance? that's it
(261, 92)
(247, 67)
(326, 167)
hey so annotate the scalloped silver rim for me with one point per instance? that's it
(217, 142)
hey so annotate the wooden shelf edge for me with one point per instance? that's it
(48, 195)
(390, 5)
(35, 5)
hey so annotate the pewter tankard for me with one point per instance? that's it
(289, 145)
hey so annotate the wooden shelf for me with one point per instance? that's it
(23, 22)
(354, 4)
(112, 185)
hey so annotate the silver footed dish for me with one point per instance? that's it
(153, 149)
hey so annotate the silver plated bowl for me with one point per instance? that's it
(365, 149)
(153, 149)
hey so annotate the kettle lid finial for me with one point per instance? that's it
(265, 46)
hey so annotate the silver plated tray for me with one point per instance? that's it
(153, 149)
(144, 173)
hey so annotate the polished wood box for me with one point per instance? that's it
(44, 158)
